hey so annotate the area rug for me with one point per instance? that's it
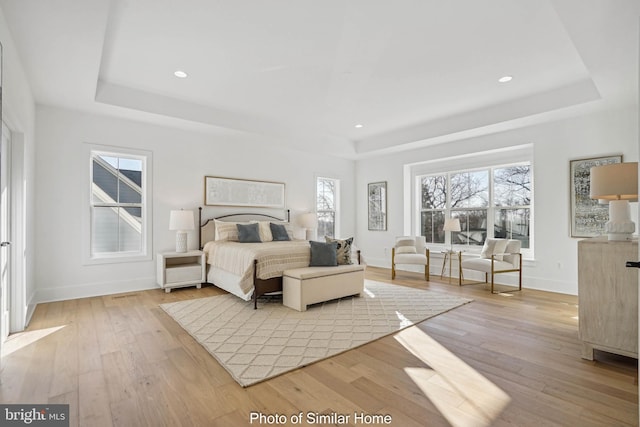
(255, 345)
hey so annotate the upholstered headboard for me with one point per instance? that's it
(208, 228)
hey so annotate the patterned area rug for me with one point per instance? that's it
(255, 345)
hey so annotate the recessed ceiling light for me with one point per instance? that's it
(505, 79)
(358, 126)
(180, 74)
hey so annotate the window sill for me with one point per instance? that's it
(117, 259)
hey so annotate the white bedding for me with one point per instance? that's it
(231, 264)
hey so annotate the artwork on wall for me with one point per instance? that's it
(587, 216)
(377, 195)
(243, 192)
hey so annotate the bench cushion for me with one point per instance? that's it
(311, 272)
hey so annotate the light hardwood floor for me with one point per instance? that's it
(501, 360)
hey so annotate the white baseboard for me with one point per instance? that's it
(94, 289)
(528, 281)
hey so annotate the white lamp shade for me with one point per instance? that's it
(309, 220)
(451, 224)
(181, 220)
(617, 181)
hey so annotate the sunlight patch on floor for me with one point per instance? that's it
(22, 339)
(404, 322)
(461, 394)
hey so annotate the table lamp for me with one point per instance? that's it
(309, 222)
(617, 185)
(451, 224)
(181, 221)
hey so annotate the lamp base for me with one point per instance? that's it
(181, 241)
(311, 234)
(619, 227)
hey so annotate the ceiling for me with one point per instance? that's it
(304, 73)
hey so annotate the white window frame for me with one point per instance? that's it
(145, 253)
(490, 209)
(490, 159)
(336, 210)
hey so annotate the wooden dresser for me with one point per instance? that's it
(608, 297)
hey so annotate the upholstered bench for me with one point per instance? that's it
(310, 285)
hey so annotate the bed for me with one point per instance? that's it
(249, 270)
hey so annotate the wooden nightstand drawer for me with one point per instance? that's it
(184, 273)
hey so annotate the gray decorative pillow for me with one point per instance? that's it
(249, 233)
(344, 249)
(279, 232)
(323, 254)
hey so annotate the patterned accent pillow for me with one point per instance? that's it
(343, 253)
(227, 230)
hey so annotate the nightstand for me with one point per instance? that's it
(179, 269)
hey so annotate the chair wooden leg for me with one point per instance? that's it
(427, 266)
(393, 271)
(520, 273)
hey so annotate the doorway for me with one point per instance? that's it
(5, 233)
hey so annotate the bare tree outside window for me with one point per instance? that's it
(326, 206)
(377, 212)
(493, 202)
(512, 194)
(434, 202)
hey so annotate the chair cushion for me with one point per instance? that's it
(513, 247)
(405, 241)
(406, 250)
(484, 264)
(419, 259)
(492, 247)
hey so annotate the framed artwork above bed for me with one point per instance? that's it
(219, 191)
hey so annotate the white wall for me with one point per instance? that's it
(18, 111)
(181, 159)
(554, 145)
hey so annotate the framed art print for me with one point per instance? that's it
(587, 215)
(243, 192)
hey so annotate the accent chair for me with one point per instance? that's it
(410, 250)
(497, 256)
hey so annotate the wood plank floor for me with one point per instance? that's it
(502, 360)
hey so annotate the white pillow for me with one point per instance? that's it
(406, 250)
(287, 226)
(405, 241)
(265, 231)
(494, 246)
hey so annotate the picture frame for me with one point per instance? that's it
(588, 217)
(221, 191)
(377, 201)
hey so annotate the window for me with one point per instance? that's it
(327, 197)
(490, 202)
(118, 205)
